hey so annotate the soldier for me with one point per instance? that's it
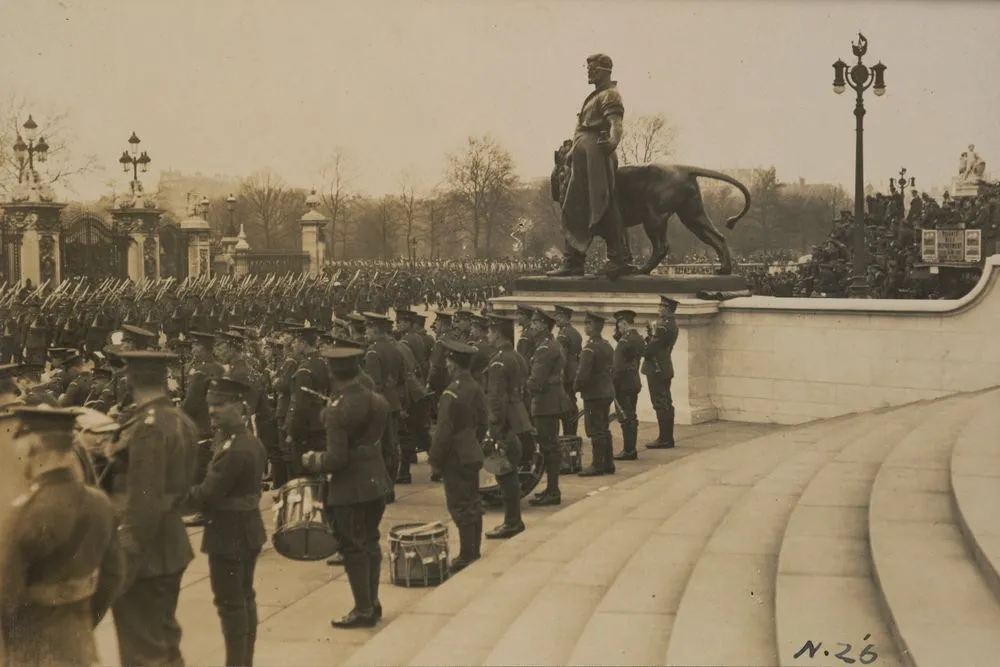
(505, 386)
(65, 566)
(462, 325)
(356, 322)
(419, 322)
(658, 368)
(548, 403)
(413, 335)
(628, 351)
(80, 380)
(161, 443)
(456, 453)
(526, 344)
(138, 338)
(572, 344)
(437, 377)
(478, 338)
(384, 363)
(234, 534)
(204, 368)
(411, 418)
(310, 382)
(282, 380)
(593, 381)
(10, 388)
(358, 482)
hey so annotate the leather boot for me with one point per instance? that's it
(628, 452)
(477, 539)
(403, 477)
(512, 522)
(568, 268)
(665, 420)
(375, 576)
(527, 448)
(609, 459)
(551, 494)
(234, 634)
(359, 577)
(597, 463)
(467, 545)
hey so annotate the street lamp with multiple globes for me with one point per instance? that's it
(860, 77)
(27, 152)
(898, 188)
(132, 159)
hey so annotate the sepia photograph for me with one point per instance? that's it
(511, 332)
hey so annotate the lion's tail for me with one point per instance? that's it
(719, 176)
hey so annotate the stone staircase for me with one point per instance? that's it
(869, 538)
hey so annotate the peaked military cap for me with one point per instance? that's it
(458, 348)
(501, 318)
(71, 359)
(481, 322)
(442, 316)
(376, 318)
(600, 61)
(356, 317)
(627, 315)
(667, 301)
(342, 342)
(404, 314)
(419, 318)
(343, 357)
(227, 389)
(201, 337)
(543, 316)
(138, 332)
(563, 310)
(46, 421)
(103, 373)
(230, 337)
(148, 358)
(60, 352)
(597, 317)
(523, 309)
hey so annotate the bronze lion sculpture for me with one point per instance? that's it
(650, 194)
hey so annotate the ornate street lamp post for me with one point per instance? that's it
(27, 152)
(132, 159)
(860, 78)
(898, 187)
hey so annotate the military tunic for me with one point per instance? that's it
(628, 352)
(572, 344)
(50, 602)
(463, 419)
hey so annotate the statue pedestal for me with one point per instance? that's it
(960, 188)
(34, 225)
(696, 319)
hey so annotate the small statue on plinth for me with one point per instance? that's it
(971, 167)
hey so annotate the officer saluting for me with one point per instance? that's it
(65, 566)
(593, 381)
(159, 443)
(358, 481)
(658, 368)
(548, 403)
(229, 497)
(455, 450)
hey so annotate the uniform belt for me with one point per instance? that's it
(247, 503)
(58, 593)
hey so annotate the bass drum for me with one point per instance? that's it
(529, 478)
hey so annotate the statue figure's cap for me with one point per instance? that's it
(600, 61)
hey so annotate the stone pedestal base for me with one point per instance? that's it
(695, 318)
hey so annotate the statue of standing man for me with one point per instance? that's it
(588, 200)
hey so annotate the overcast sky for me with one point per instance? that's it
(231, 86)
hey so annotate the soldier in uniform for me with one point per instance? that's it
(437, 377)
(418, 326)
(506, 377)
(593, 381)
(628, 351)
(526, 345)
(310, 383)
(456, 453)
(234, 534)
(79, 382)
(479, 339)
(384, 363)
(358, 483)
(658, 368)
(410, 422)
(548, 403)
(11, 395)
(461, 325)
(418, 419)
(65, 566)
(572, 344)
(282, 380)
(159, 443)
(138, 338)
(204, 368)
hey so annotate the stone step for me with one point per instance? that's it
(975, 484)
(578, 568)
(825, 556)
(941, 611)
(732, 586)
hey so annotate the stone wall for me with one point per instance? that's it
(793, 360)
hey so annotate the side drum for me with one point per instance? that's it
(418, 554)
(301, 531)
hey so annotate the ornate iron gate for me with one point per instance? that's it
(88, 248)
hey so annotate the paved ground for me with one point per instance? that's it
(296, 600)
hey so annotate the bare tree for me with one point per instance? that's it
(270, 204)
(482, 178)
(408, 185)
(766, 192)
(336, 177)
(62, 165)
(646, 139)
(387, 209)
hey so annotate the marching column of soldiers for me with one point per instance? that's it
(213, 404)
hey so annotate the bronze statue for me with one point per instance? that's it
(599, 198)
(588, 198)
